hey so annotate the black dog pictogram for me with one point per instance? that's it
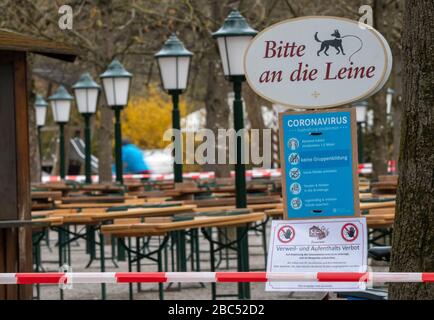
(336, 43)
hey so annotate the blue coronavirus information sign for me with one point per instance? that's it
(319, 164)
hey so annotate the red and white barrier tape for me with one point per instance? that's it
(160, 277)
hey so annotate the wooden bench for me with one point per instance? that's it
(146, 229)
(97, 215)
(380, 213)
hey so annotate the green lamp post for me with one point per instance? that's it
(116, 83)
(233, 38)
(61, 107)
(174, 64)
(361, 113)
(41, 114)
(86, 93)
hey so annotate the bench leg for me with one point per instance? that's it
(160, 269)
(212, 267)
(102, 245)
(138, 266)
(60, 248)
(197, 251)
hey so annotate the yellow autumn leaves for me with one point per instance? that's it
(145, 119)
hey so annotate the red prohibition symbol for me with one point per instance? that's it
(349, 232)
(286, 234)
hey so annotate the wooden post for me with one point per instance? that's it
(15, 242)
(15, 215)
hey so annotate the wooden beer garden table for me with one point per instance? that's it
(92, 220)
(213, 202)
(241, 219)
(39, 229)
(65, 188)
(364, 207)
(44, 199)
(96, 216)
(94, 199)
(100, 202)
(160, 228)
(174, 220)
(46, 195)
(252, 207)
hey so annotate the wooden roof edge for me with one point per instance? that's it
(11, 40)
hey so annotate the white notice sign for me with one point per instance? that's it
(322, 245)
(317, 62)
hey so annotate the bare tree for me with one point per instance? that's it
(413, 236)
(379, 154)
(134, 30)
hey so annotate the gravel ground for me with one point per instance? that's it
(186, 291)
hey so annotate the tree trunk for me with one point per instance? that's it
(254, 105)
(217, 112)
(379, 153)
(216, 104)
(105, 131)
(413, 236)
(105, 134)
(397, 107)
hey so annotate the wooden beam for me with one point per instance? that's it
(14, 41)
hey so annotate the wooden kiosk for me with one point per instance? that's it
(15, 224)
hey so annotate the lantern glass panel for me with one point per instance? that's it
(174, 72)
(116, 90)
(361, 114)
(86, 99)
(61, 110)
(41, 113)
(232, 50)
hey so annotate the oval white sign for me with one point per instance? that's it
(317, 62)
